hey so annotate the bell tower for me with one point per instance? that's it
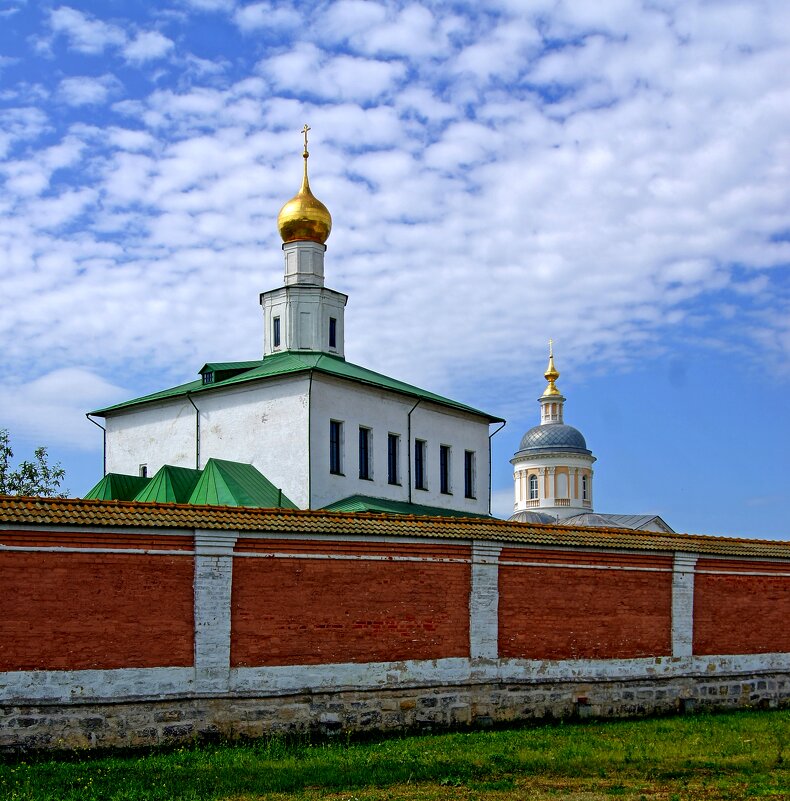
(303, 315)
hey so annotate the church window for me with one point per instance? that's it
(419, 464)
(336, 447)
(332, 332)
(469, 474)
(276, 332)
(143, 471)
(444, 469)
(364, 454)
(208, 378)
(393, 448)
(533, 487)
(584, 488)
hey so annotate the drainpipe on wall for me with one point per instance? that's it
(490, 437)
(408, 441)
(104, 445)
(197, 431)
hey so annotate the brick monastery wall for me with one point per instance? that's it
(142, 636)
(601, 606)
(741, 607)
(312, 610)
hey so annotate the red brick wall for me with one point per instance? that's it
(308, 611)
(548, 612)
(741, 614)
(73, 611)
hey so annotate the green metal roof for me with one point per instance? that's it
(290, 363)
(223, 366)
(170, 485)
(117, 487)
(364, 503)
(225, 483)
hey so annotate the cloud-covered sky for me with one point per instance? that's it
(614, 175)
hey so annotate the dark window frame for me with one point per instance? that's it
(336, 447)
(445, 453)
(469, 475)
(365, 454)
(333, 332)
(393, 454)
(420, 449)
(276, 332)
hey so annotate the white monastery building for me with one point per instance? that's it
(323, 431)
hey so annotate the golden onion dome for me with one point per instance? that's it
(304, 216)
(551, 374)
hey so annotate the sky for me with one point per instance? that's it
(612, 175)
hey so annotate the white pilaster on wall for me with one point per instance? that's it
(683, 603)
(213, 578)
(484, 601)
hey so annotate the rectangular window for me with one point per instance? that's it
(393, 446)
(419, 464)
(332, 332)
(276, 332)
(469, 474)
(336, 447)
(444, 469)
(208, 378)
(364, 453)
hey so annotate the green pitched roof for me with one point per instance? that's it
(117, 487)
(364, 503)
(170, 485)
(290, 363)
(225, 483)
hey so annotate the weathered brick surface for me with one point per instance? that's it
(75, 611)
(741, 614)
(565, 613)
(313, 611)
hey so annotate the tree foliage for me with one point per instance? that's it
(38, 477)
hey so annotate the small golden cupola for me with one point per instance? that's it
(304, 217)
(551, 374)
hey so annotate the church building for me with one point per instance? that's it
(553, 474)
(316, 429)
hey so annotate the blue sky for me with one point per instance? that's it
(614, 175)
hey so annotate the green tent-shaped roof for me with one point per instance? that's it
(225, 483)
(170, 485)
(364, 503)
(117, 487)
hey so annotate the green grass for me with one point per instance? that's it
(739, 755)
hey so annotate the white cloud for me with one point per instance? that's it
(146, 46)
(258, 16)
(85, 34)
(209, 5)
(85, 91)
(306, 68)
(52, 407)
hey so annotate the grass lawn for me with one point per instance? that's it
(727, 756)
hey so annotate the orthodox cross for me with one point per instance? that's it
(304, 131)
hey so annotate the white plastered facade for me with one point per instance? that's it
(281, 427)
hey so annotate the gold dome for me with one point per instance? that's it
(304, 216)
(551, 374)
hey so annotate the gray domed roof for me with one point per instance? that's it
(553, 437)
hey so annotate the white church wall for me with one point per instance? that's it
(385, 413)
(262, 424)
(152, 435)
